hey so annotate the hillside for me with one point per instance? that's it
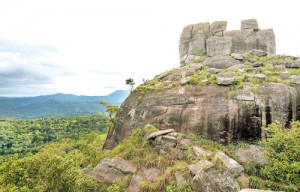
(56, 105)
(226, 120)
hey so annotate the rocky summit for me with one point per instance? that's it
(230, 85)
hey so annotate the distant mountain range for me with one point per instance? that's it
(56, 105)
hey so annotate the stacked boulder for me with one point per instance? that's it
(212, 39)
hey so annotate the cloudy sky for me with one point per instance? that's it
(89, 47)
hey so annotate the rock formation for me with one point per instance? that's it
(230, 86)
(213, 39)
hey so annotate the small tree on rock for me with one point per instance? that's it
(130, 82)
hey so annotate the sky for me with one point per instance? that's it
(89, 47)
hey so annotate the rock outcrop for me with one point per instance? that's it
(111, 168)
(213, 40)
(222, 96)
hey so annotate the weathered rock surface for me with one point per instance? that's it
(208, 111)
(200, 152)
(294, 64)
(257, 52)
(224, 80)
(220, 62)
(213, 39)
(246, 40)
(185, 39)
(200, 165)
(143, 174)
(295, 79)
(203, 183)
(230, 164)
(159, 133)
(218, 27)
(223, 98)
(218, 46)
(244, 95)
(249, 24)
(110, 169)
(237, 56)
(253, 155)
(214, 181)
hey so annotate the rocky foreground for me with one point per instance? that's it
(190, 166)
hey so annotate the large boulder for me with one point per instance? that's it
(185, 39)
(230, 164)
(218, 27)
(214, 181)
(112, 168)
(253, 155)
(249, 24)
(203, 183)
(218, 46)
(246, 40)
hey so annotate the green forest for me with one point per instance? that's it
(48, 154)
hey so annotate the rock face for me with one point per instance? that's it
(221, 97)
(209, 111)
(213, 40)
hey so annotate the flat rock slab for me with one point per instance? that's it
(238, 56)
(220, 62)
(111, 168)
(249, 24)
(230, 164)
(257, 52)
(158, 133)
(260, 76)
(224, 80)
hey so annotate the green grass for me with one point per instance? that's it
(294, 71)
(150, 85)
